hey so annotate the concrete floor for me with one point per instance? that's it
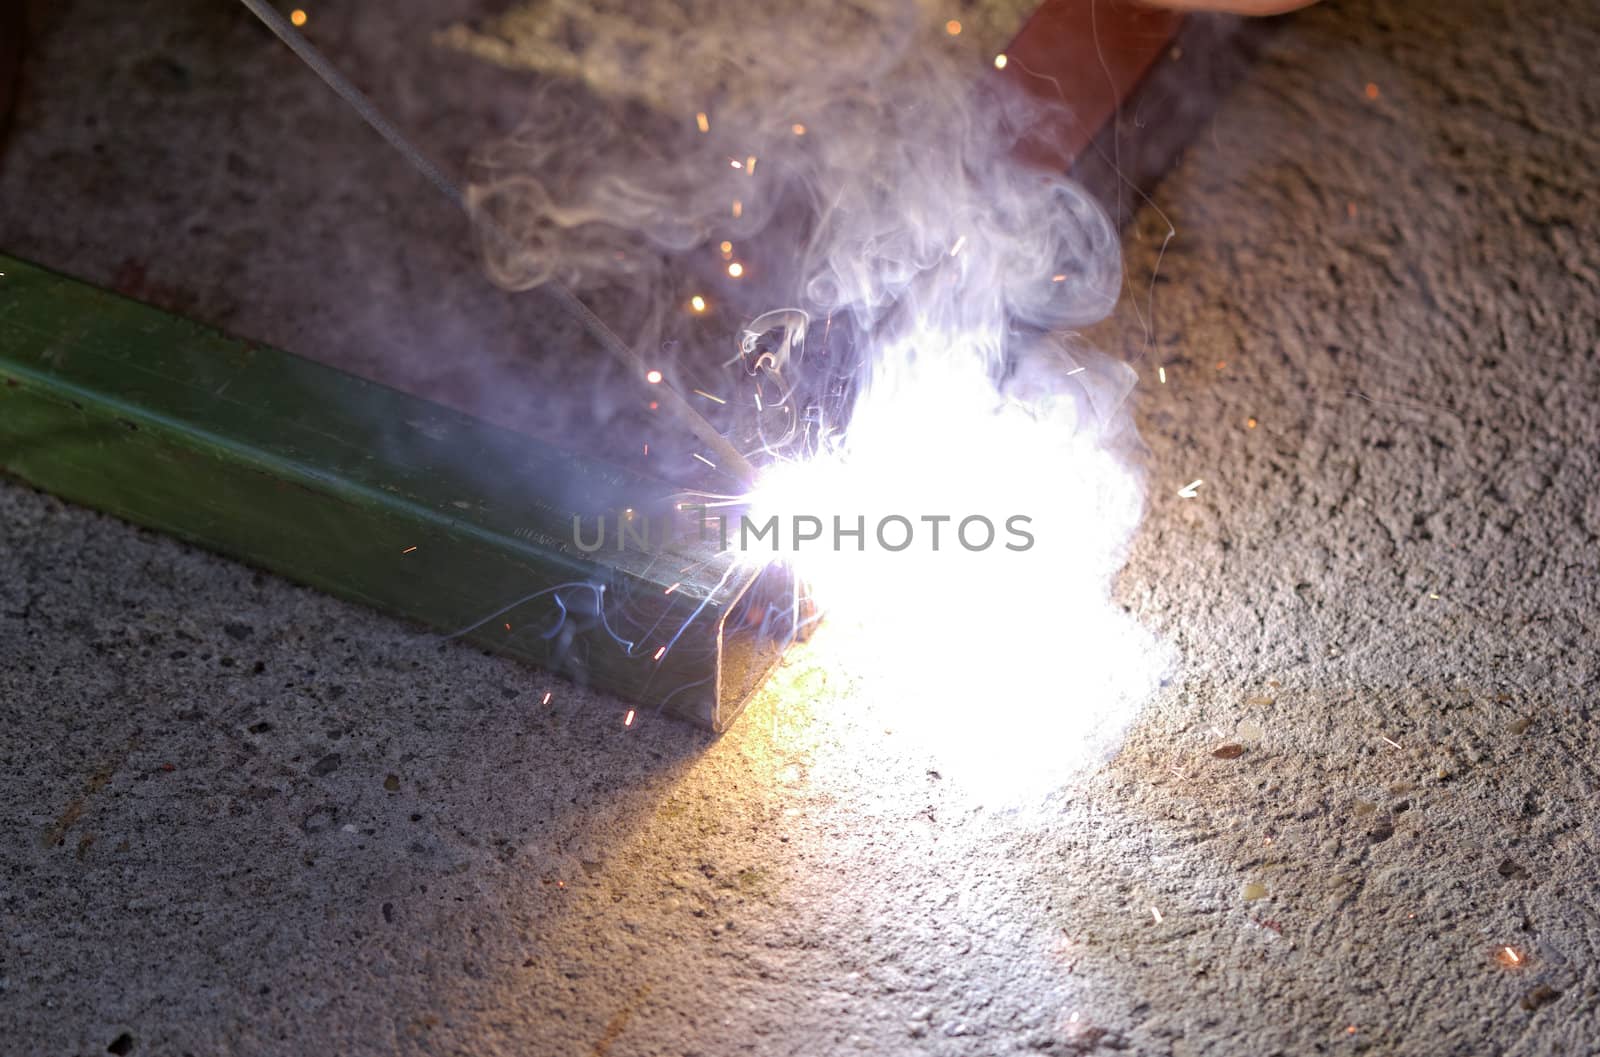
(237, 816)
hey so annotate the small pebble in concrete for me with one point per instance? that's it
(1510, 869)
(1539, 997)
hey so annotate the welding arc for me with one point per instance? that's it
(729, 458)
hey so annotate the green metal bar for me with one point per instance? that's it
(376, 496)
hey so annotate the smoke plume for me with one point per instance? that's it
(820, 219)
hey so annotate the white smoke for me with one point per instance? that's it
(922, 358)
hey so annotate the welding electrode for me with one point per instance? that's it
(729, 459)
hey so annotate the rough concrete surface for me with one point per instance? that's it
(240, 817)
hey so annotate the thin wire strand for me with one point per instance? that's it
(730, 460)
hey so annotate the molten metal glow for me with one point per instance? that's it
(1009, 661)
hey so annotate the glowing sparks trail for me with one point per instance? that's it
(936, 441)
(499, 239)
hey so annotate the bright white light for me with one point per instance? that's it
(1013, 666)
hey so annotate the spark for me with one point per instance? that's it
(697, 303)
(962, 241)
(738, 208)
(546, 700)
(1391, 741)
(705, 460)
(736, 163)
(750, 164)
(1188, 491)
(953, 28)
(735, 269)
(1372, 90)
(653, 377)
(1351, 1030)
(660, 653)
(647, 449)
(726, 248)
(709, 396)
(1350, 210)
(703, 122)
(1076, 370)
(508, 627)
(673, 588)
(654, 405)
(1509, 956)
(1161, 373)
(1000, 61)
(1157, 915)
(1058, 278)
(758, 400)
(627, 721)
(298, 17)
(1249, 423)
(409, 549)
